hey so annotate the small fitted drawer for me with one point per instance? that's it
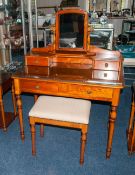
(36, 60)
(106, 65)
(105, 75)
(37, 70)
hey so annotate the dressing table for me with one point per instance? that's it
(76, 70)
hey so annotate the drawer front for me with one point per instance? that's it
(42, 87)
(36, 61)
(107, 65)
(37, 70)
(85, 91)
(105, 75)
(67, 90)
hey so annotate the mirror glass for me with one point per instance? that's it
(71, 30)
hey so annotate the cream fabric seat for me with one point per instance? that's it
(61, 111)
(60, 108)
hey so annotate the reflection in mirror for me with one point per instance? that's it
(71, 30)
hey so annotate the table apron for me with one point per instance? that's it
(67, 89)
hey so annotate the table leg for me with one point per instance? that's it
(19, 104)
(111, 126)
(14, 100)
(2, 113)
(112, 119)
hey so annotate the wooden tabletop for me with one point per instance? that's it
(70, 72)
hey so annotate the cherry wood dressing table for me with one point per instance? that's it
(85, 72)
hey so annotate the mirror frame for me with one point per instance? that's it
(85, 38)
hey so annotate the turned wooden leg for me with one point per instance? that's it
(83, 144)
(2, 112)
(42, 130)
(111, 125)
(14, 100)
(33, 130)
(112, 119)
(19, 104)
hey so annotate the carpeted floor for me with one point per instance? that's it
(58, 151)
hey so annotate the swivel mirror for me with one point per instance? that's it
(71, 30)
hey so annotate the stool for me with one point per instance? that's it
(131, 126)
(63, 112)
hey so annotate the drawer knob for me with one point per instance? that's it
(106, 64)
(37, 87)
(36, 61)
(105, 74)
(88, 92)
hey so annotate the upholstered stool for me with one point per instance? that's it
(61, 111)
(131, 126)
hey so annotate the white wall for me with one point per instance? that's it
(49, 3)
(84, 4)
(1, 2)
(128, 4)
(42, 3)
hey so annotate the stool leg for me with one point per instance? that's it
(83, 143)
(41, 130)
(35, 97)
(33, 130)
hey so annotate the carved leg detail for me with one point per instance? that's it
(111, 124)
(83, 144)
(42, 130)
(19, 104)
(33, 130)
